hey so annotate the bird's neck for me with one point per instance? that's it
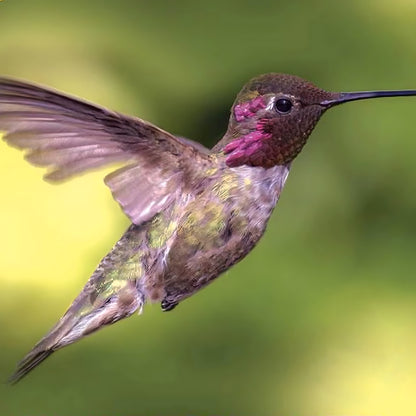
(253, 142)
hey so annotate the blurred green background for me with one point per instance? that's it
(321, 318)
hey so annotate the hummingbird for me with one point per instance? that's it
(194, 211)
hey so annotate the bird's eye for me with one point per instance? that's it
(283, 105)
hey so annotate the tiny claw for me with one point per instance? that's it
(167, 306)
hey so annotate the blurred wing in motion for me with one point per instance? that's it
(70, 136)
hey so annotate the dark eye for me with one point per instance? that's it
(283, 105)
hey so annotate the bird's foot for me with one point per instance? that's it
(167, 306)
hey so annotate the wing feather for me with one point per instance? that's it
(70, 136)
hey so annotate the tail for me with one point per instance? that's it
(32, 360)
(102, 302)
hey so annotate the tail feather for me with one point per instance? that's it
(82, 319)
(32, 360)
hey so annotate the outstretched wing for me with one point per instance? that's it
(70, 136)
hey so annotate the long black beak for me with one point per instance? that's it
(344, 97)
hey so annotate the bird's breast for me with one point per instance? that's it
(212, 229)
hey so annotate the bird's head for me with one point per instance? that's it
(273, 116)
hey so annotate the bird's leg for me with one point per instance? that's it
(167, 306)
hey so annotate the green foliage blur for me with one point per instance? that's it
(321, 318)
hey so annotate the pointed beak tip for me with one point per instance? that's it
(345, 97)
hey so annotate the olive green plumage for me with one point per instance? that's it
(195, 212)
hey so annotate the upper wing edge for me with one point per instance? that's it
(69, 136)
